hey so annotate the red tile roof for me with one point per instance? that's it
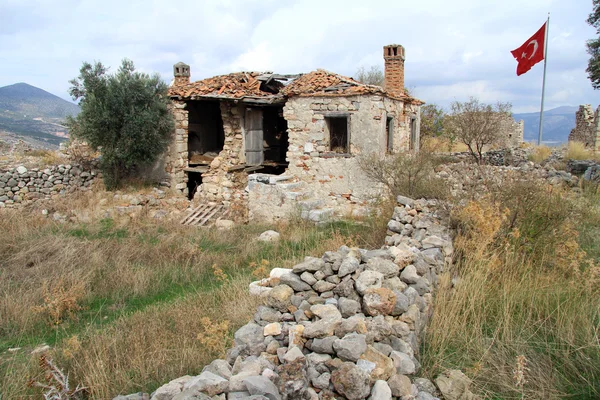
(238, 85)
(235, 85)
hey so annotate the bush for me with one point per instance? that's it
(578, 151)
(540, 153)
(525, 298)
(476, 124)
(124, 115)
(406, 174)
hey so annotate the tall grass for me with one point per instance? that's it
(578, 151)
(122, 303)
(526, 298)
(540, 153)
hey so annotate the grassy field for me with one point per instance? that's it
(523, 317)
(129, 306)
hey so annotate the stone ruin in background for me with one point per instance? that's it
(587, 128)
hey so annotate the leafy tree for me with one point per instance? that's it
(123, 115)
(476, 124)
(593, 47)
(432, 121)
(373, 76)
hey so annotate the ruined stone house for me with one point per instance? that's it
(267, 144)
(587, 127)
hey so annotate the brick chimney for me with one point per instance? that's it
(181, 72)
(393, 55)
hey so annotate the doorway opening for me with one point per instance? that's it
(193, 183)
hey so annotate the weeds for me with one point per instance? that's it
(521, 318)
(540, 153)
(578, 151)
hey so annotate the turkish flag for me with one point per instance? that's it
(531, 52)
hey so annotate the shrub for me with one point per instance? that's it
(406, 174)
(124, 115)
(476, 124)
(540, 153)
(578, 151)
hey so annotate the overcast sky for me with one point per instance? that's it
(454, 49)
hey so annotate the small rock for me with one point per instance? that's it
(350, 347)
(351, 381)
(272, 329)
(269, 236)
(208, 383)
(294, 281)
(455, 385)
(381, 391)
(400, 385)
(43, 348)
(260, 385)
(368, 280)
(380, 301)
(280, 297)
(409, 274)
(224, 224)
(403, 363)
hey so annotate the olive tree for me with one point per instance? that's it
(477, 125)
(593, 47)
(123, 115)
(372, 76)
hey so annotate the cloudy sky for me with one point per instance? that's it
(454, 49)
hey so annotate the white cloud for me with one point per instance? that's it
(454, 49)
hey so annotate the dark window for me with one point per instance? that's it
(338, 134)
(389, 131)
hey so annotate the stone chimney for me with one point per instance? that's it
(393, 55)
(181, 72)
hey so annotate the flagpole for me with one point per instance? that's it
(544, 80)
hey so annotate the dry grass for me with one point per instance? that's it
(578, 151)
(540, 153)
(442, 145)
(122, 302)
(524, 316)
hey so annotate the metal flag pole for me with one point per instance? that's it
(544, 81)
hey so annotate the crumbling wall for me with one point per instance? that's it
(339, 176)
(177, 152)
(512, 132)
(587, 127)
(222, 182)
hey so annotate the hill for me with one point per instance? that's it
(34, 102)
(33, 115)
(558, 123)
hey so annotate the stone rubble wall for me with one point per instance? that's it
(587, 127)
(21, 186)
(177, 152)
(219, 184)
(347, 325)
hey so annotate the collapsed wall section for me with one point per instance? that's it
(327, 137)
(587, 127)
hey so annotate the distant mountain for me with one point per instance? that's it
(33, 102)
(34, 114)
(558, 123)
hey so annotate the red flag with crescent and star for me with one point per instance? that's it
(531, 52)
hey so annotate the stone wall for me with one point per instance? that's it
(347, 325)
(177, 152)
(338, 178)
(219, 183)
(512, 132)
(587, 127)
(21, 186)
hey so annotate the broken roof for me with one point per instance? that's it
(266, 87)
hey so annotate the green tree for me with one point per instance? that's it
(123, 115)
(477, 125)
(432, 121)
(373, 76)
(593, 47)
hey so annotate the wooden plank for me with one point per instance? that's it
(254, 136)
(190, 214)
(210, 215)
(201, 215)
(196, 169)
(193, 216)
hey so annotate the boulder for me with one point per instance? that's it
(380, 301)
(260, 385)
(269, 236)
(280, 297)
(368, 280)
(381, 391)
(207, 382)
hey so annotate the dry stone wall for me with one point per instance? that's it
(347, 325)
(21, 186)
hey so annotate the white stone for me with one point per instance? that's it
(269, 236)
